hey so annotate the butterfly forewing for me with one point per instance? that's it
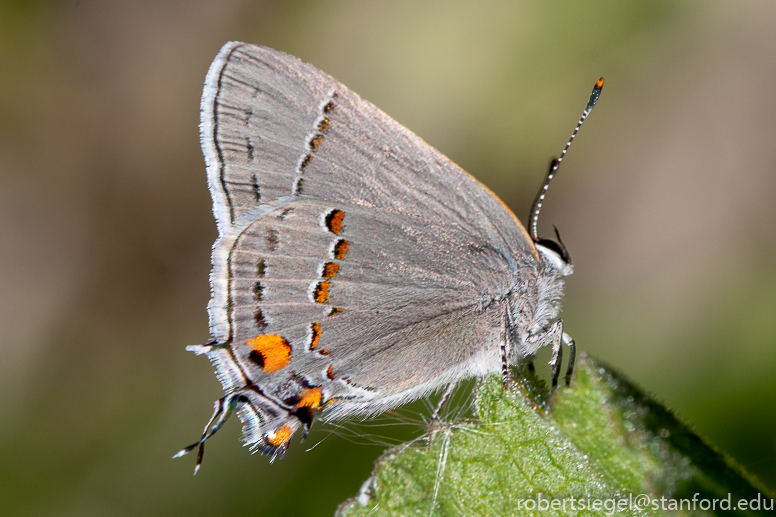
(259, 113)
(269, 120)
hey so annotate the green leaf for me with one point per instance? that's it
(526, 453)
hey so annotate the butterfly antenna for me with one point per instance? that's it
(537, 204)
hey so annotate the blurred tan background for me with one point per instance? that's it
(666, 203)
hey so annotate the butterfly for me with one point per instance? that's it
(356, 267)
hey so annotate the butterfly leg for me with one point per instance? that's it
(557, 354)
(569, 341)
(442, 402)
(557, 351)
(506, 348)
(506, 377)
(552, 334)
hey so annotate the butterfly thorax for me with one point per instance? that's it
(535, 303)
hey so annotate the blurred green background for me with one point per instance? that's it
(666, 203)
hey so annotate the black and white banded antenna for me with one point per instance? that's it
(537, 204)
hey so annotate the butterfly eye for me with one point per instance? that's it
(556, 246)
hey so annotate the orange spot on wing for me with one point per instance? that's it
(341, 249)
(315, 329)
(274, 351)
(325, 351)
(315, 142)
(311, 398)
(324, 125)
(281, 436)
(330, 372)
(330, 269)
(334, 221)
(321, 291)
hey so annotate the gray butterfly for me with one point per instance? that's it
(356, 267)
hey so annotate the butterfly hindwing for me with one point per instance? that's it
(313, 274)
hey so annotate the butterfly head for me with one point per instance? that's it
(554, 256)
